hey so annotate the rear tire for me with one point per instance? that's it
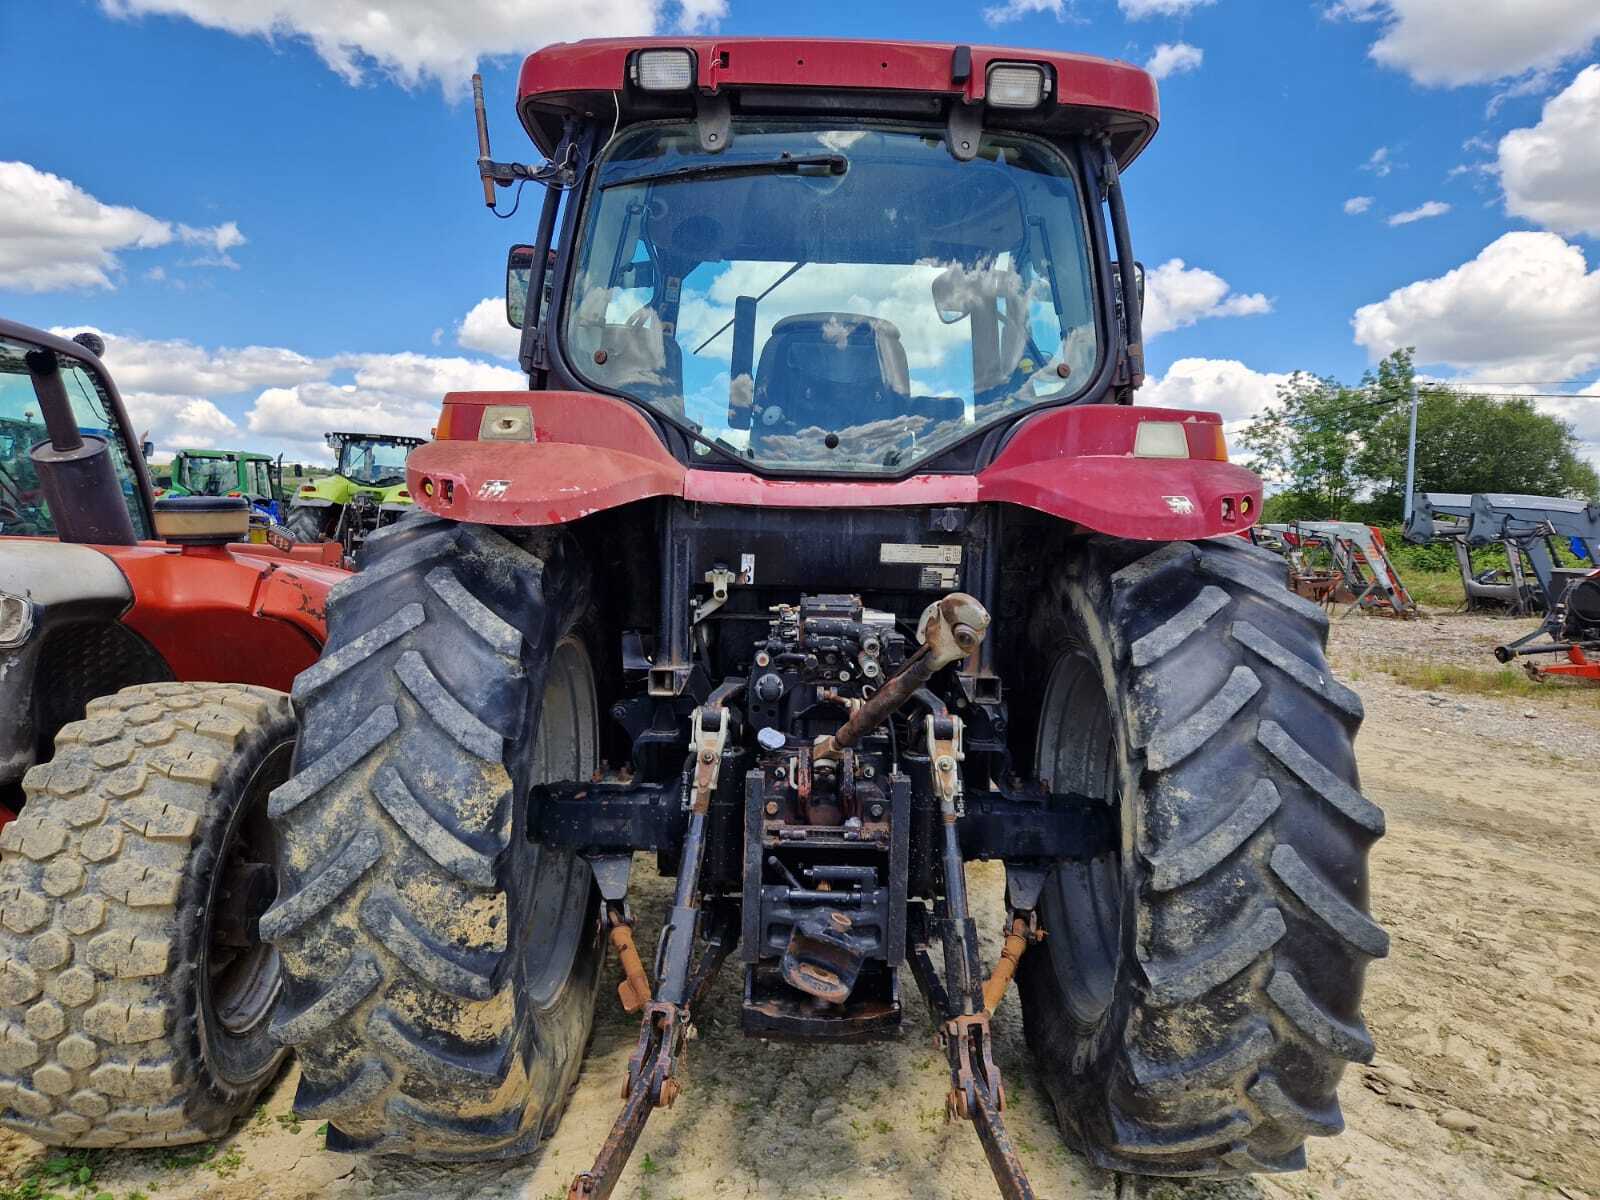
(441, 967)
(134, 994)
(304, 524)
(1198, 995)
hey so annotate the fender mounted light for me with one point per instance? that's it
(506, 423)
(1016, 85)
(1160, 439)
(663, 70)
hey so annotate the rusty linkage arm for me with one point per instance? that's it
(665, 1025)
(962, 1001)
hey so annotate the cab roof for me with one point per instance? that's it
(885, 79)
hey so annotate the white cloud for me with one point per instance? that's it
(1357, 205)
(1015, 10)
(1381, 163)
(484, 328)
(283, 400)
(1138, 10)
(1219, 385)
(1441, 44)
(1524, 309)
(388, 393)
(1178, 295)
(1423, 212)
(175, 366)
(1551, 172)
(415, 41)
(1174, 58)
(55, 235)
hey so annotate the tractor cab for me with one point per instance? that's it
(91, 418)
(366, 491)
(856, 268)
(256, 477)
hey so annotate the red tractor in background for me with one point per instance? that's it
(144, 657)
(825, 553)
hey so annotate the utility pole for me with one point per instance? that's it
(1411, 451)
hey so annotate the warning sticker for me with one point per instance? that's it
(911, 552)
(938, 579)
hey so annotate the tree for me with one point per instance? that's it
(1307, 443)
(1467, 442)
(1337, 452)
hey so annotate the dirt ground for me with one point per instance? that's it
(1486, 1016)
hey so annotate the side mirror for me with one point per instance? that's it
(148, 448)
(298, 470)
(519, 268)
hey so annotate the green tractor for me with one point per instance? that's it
(256, 477)
(366, 492)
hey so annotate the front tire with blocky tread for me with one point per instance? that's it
(105, 1037)
(1198, 1016)
(414, 913)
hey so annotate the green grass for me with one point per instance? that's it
(1436, 589)
(1504, 681)
(69, 1175)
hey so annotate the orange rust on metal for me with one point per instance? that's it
(994, 988)
(634, 990)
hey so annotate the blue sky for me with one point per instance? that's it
(270, 206)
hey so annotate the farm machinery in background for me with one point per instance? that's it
(1533, 530)
(258, 478)
(816, 624)
(1342, 562)
(366, 492)
(145, 657)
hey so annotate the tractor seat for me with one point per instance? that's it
(828, 370)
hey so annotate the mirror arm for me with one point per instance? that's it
(1132, 305)
(533, 353)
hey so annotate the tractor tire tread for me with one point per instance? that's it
(98, 1043)
(1239, 1008)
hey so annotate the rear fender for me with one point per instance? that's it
(588, 453)
(1079, 464)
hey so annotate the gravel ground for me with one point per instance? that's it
(1486, 1016)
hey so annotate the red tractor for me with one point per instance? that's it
(135, 989)
(825, 553)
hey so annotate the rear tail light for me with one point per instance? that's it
(664, 70)
(1016, 85)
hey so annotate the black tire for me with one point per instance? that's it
(305, 524)
(134, 1004)
(1198, 995)
(440, 966)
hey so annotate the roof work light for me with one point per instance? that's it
(664, 70)
(1016, 85)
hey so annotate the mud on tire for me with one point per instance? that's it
(1198, 996)
(122, 1021)
(441, 967)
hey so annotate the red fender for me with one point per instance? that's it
(225, 613)
(590, 453)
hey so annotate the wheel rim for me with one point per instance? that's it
(1083, 904)
(242, 975)
(566, 748)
